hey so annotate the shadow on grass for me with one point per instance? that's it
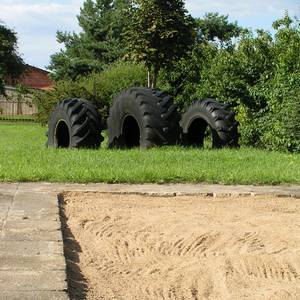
(77, 283)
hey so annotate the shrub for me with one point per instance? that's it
(261, 74)
(47, 100)
(99, 88)
(108, 84)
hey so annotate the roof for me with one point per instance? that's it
(33, 77)
(37, 69)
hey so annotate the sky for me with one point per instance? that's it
(36, 21)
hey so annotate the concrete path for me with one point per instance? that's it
(32, 264)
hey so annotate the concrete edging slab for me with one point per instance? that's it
(212, 190)
(32, 263)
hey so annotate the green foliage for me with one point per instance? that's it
(47, 100)
(99, 88)
(22, 93)
(283, 89)
(2, 89)
(259, 72)
(99, 43)
(157, 33)
(108, 84)
(212, 57)
(11, 64)
(215, 37)
(214, 27)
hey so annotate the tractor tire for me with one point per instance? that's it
(75, 123)
(143, 117)
(205, 114)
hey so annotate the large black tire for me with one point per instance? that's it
(143, 117)
(205, 114)
(75, 123)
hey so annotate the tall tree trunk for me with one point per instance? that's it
(155, 75)
(149, 78)
(19, 108)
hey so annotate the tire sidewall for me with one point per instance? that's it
(190, 116)
(129, 106)
(57, 116)
(153, 111)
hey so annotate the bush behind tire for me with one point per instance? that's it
(154, 113)
(75, 123)
(224, 127)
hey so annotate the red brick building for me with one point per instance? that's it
(34, 78)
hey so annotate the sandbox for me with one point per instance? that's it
(184, 247)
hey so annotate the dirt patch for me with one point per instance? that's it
(140, 247)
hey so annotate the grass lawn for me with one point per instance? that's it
(25, 158)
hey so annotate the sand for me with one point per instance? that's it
(141, 247)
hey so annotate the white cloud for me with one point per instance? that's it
(240, 9)
(36, 23)
(18, 13)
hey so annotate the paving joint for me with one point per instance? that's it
(8, 210)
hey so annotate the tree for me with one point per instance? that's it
(261, 73)
(11, 64)
(2, 90)
(215, 34)
(23, 95)
(157, 33)
(99, 43)
(214, 27)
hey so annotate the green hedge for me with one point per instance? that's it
(260, 74)
(100, 88)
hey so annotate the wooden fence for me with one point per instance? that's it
(11, 106)
(14, 108)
